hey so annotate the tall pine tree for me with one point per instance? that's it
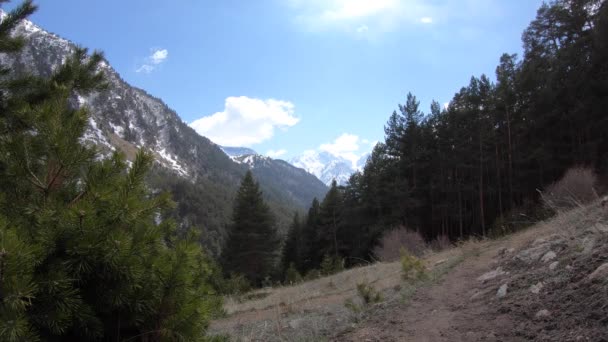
(253, 242)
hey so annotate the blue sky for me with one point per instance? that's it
(285, 76)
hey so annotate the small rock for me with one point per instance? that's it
(476, 296)
(531, 255)
(553, 265)
(542, 314)
(511, 250)
(502, 291)
(588, 244)
(550, 255)
(602, 227)
(491, 275)
(295, 324)
(539, 241)
(569, 268)
(536, 288)
(599, 273)
(440, 262)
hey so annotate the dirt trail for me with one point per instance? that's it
(556, 275)
(442, 312)
(556, 280)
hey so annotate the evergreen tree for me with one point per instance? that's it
(84, 251)
(292, 249)
(309, 253)
(330, 216)
(253, 243)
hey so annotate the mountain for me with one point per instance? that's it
(237, 151)
(327, 166)
(201, 177)
(296, 182)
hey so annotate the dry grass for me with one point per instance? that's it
(319, 304)
(387, 274)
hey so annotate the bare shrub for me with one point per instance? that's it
(575, 189)
(441, 242)
(392, 242)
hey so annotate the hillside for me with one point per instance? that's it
(294, 182)
(547, 283)
(193, 168)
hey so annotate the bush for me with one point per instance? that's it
(312, 275)
(236, 284)
(576, 188)
(412, 268)
(367, 296)
(331, 265)
(292, 276)
(391, 243)
(441, 242)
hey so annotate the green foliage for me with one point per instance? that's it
(412, 268)
(292, 276)
(85, 253)
(367, 296)
(235, 284)
(331, 265)
(253, 243)
(312, 275)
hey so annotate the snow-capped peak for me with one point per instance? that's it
(327, 166)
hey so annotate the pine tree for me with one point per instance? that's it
(293, 247)
(330, 216)
(84, 251)
(252, 245)
(309, 258)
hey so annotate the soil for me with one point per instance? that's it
(549, 296)
(567, 306)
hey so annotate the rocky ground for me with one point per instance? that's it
(548, 283)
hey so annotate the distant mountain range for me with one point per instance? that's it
(201, 177)
(323, 165)
(328, 167)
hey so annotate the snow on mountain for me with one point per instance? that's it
(122, 117)
(237, 151)
(327, 166)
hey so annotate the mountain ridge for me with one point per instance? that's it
(126, 118)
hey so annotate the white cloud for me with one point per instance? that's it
(355, 16)
(246, 121)
(146, 69)
(276, 154)
(159, 56)
(155, 59)
(346, 146)
(362, 29)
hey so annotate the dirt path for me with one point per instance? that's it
(442, 312)
(555, 281)
(547, 270)
(459, 307)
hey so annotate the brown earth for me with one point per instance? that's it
(550, 295)
(464, 308)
